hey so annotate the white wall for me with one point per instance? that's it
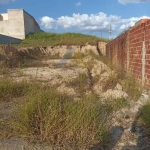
(4, 25)
(17, 23)
(14, 26)
(5, 16)
(31, 25)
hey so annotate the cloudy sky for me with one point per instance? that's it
(83, 16)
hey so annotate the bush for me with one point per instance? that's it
(57, 119)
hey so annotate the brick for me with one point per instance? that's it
(147, 71)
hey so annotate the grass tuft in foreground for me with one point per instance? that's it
(57, 119)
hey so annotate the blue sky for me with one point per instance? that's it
(83, 16)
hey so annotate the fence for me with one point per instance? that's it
(131, 50)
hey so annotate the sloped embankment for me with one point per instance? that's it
(12, 56)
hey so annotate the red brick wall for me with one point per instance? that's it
(116, 50)
(128, 51)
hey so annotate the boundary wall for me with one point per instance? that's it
(17, 23)
(131, 50)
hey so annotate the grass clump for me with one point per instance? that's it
(131, 87)
(126, 80)
(145, 116)
(117, 104)
(57, 119)
(80, 83)
(9, 89)
(78, 55)
(111, 82)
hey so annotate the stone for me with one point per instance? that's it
(114, 94)
(118, 87)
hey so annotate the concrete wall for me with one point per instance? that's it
(17, 23)
(30, 24)
(4, 16)
(132, 50)
(14, 26)
(8, 40)
(3, 29)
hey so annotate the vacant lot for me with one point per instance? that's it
(66, 97)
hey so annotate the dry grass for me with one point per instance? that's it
(56, 119)
(46, 116)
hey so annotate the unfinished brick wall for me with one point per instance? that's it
(116, 50)
(132, 51)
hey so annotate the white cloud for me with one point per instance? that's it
(91, 23)
(48, 22)
(126, 23)
(132, 1)
(78, 4)
(6, 1)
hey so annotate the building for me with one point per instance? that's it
(17, 23)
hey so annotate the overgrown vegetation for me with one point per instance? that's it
(117, 104)
(46, 116)
(132, 87)
(54, 118)
(44, 39)
(127, 81)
